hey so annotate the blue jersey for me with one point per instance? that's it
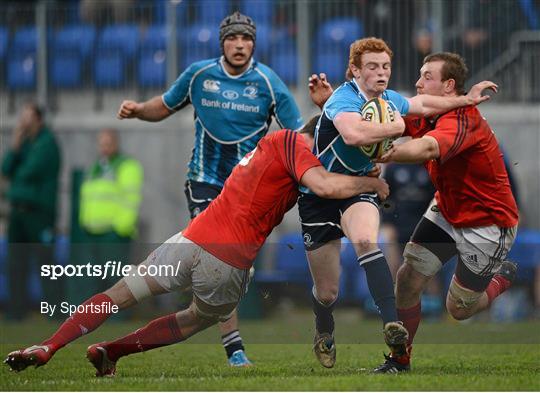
(232, 113)
(333, 153)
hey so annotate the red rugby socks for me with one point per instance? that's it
(497, 285)
(158, 333)
(411, 319)
(96, 311)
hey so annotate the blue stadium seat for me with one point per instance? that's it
(339, 33)
(80, 38)
(109, 69)
(198, 42)
(211, 11)
(261, 11)
(285, 66)
(120, 38)
(160, 11)
(24, 40)
(155, 37)
(290, 263)
(21, 71)
(66, 69)
(4, 35)
(200, 37)
(526, 253)
(152, 68)
(264, 39)
(333, 62)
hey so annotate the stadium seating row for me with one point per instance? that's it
(78, 50)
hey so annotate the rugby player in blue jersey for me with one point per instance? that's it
(234, 98)
(339, 133)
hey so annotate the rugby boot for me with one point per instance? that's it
(396, 336)
(97, 355)
(36, 355)
(394, 365)
(325, 349)
(239, 359)
(508, 270)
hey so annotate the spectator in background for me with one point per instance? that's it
(32, 166)
(489, 27)
(109, 202)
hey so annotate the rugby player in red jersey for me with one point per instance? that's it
(213, 254)
(473, 215)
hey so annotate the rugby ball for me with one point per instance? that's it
(377, 110)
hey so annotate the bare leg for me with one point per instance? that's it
(360, 223)
(325, 271)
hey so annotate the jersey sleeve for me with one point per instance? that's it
(413, 126)
(178, 94)
(454, 133)
(342, 100)
(286, 112)
(397, 102)
(295, 155)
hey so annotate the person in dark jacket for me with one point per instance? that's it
(31, 164)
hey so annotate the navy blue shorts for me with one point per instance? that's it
(199, 195)
(321, 218)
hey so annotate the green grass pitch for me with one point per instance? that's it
(448, 356)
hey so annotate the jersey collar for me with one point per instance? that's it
(222, 64)
(358, 90)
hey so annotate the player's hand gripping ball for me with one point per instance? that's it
(377, 110)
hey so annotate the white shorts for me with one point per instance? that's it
(482, 249)
(188, 265)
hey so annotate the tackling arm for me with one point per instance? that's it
(427, 105)
(413, 151)
(337, 186)
(151, 110)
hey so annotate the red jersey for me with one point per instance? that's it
(472, 184)
(255, 197)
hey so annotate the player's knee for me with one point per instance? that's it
(207, 315)
(363, 243)
(121, 295)
(460, 301)
(421, 260)
(327, 294)
(137, 286)
(455, 311)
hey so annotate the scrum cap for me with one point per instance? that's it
(236, 23)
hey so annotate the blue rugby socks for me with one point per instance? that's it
(380, 283)
(324, 320)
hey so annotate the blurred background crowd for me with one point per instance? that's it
(75, 60)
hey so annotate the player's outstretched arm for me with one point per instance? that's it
(151, 110)
(427, 105)
(337, 186)
(358, 132)
(319, 89)
(413, 151)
